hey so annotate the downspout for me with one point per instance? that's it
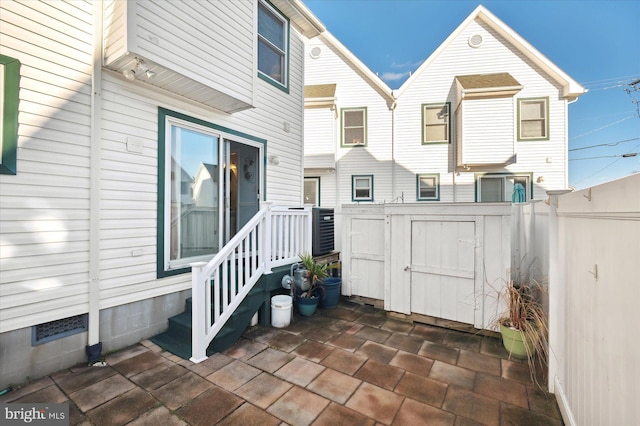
(393, 106)
(566, 141)
(94, 346)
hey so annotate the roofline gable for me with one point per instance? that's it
(571, 88)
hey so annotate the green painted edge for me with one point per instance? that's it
(448, 104)
(546, 103)
(353, 178)
(437, 175)
(10, 116)
(366, 124)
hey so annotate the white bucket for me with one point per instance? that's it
(280, 311)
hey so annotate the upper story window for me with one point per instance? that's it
(428, 187)
(500, 188)
(436, 123)
(362, 188)
(273, 45)
(9, 88)
(533, 119)
(354, 126)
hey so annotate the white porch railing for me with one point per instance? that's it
(273, 237)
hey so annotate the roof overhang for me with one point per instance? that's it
(301, 17)
(481, 86)
(320, 95)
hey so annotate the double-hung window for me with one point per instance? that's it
(9, 86)
(533, 119)
(362, 188)
(500, 188)
(354, 126)
(273, 45)
(428, 187)
(436, 123)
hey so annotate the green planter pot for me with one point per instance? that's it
(516, 342)
(307, 307)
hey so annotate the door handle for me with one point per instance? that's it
(407, 268)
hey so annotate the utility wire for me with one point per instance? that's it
(603, 127)
(630, 154)
(604, 144)
(605, 167)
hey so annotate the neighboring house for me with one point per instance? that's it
(130, 128)
(484, 112)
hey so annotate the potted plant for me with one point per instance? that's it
(308, 300)
(524, 324)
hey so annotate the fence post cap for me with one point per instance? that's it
(198, 264)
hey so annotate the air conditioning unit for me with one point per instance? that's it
(322, 233)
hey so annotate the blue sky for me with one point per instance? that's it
(595, 42)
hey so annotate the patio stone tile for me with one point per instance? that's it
(158, 416)
(286, 342)
(51, 394)
(373, 334)
(494, 347)
(336, 414)
(320, 334)
(373, 319)
(313, 351)
(375, 402)
(334, 385)
(478, 362)
(263, 390)
(404, 342)
(472, 405)
(123, 409)
(248, 415)
(516, 370)
(158, 376)
(344, 361)
(139, 363)
(298, 406)
(463, 421)
(180, 391)
(244, 349)
(84, 378)
(100, 392)
(383, 375)
(502, 389)
(352, 328)
(422, 389)
(377, 352)
(414, 413)
(300, 371)
(270, 360)
(262, 334)
(452, 374)
(214, 363)
(429, 332)
(233, 375)
(20, 391)
(463, 340)
(210, 407)
(415, 363)
(397, 326)
(76, 416)
(543, 402)
(131, 351)
(343, 314)
(440, 352)
(514, 415)
(347, 342)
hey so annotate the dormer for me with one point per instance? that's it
(485, 118)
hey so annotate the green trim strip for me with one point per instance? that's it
(11, 90)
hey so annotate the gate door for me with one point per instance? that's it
(443, 269)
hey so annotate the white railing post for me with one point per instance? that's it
(308, 228)
(266, 240)
(199, 281)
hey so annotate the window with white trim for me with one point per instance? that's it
(499, 188)
(354, 126)
(428, 187)
(362, 188)
(533, 123)
(436, 123)
(312, 191)
(273, 45)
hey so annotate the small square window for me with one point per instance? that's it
(533, 123)
(354, 127)
(428, 187)
(436, 122)
(362, 188)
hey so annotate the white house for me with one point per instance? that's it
(484, 112)
(117, 116)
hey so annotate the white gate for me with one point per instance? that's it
(443, 268)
